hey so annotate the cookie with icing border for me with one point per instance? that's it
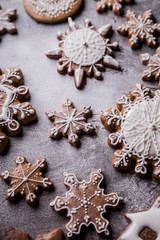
(85, 203)
(135, 132)
(84, 51)
(26, 180)
(144, 225)
(52, 11)
(14, 110)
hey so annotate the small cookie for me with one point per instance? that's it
(56, 234)
(115, 5)
(26, 179)
(144, 225)
(5, 21)
(84, 51)
(153, 66)
(70, 122)
(140, 29)
(13, 108)
(52, 11)
(135, 127)
(85, 203)
(14, 234)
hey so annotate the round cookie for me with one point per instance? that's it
(51, 11)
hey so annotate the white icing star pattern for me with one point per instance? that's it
(135, 124)
(85, 203)
(139, 220)
(84, 51)
(26, 179)
(140, 29)
(69, 122)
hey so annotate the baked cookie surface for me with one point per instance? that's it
(51, 11)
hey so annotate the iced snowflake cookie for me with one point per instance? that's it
(13, 109)
(135, 127)
(5, 21)
(153, 66)
(85, 203)
(70, 122)
(84, 51)
(115, 5)
(12, 233)
(26, 179)
(51, 11)
(140, 29)
(144, 225)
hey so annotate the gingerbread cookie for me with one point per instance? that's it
(144, 225)
(135, 127)
(56, 234)
(52, 11)
(85, 203)
(5, 21)
(153, 66)
(84, 51)
(115, 5)
(70, 122)
(14, 234)
(140, 29)
(26, 179)
(13, 109)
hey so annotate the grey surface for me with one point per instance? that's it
(48, 89)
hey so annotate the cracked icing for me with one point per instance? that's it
(70, 122)
(25, 179)
(135, 124)
(85, 203)
(139, 220)
(140, 29)
(84, 51)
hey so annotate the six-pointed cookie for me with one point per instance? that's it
(49, 11)
(26, 179)
(13, 108)
(135, 127)
(84, 51)
(140, 29)
(85, 203)
(115, 5)
(70, 122)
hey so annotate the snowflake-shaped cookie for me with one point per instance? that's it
(12, 108)
(140, 29)
(26, 179)
(139, 220)
(85, 203)
(135, 124)
(70, 122)
(115, 5)
(84, 51)
(153, 66)
(5, 21)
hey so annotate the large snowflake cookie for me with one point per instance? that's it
(85, 203)
(5, 21)
(140, 29)
(70, 122)
(135, 127)
(83, 50)
(144, 225)
(153, 66)
(115, 5)
(52, 11)
(26, 179)
(13, 109)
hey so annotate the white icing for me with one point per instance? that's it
(141, 127)
(5, 20)
(149, 218)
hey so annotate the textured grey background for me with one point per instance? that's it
(48, 89)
